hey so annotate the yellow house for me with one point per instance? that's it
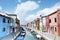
(38, 23)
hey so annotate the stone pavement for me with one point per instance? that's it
(46, 35)
(11, 36)
(51, 36)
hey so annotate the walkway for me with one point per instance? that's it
(46, 35)
(11, 36)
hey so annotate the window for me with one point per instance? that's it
(55, 20)
(4, 20)
(52, 28)
(8, 21)
(55, 29)
(49, 20)
(3, 29)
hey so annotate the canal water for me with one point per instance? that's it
(28, 36)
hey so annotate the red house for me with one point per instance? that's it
(47, 23)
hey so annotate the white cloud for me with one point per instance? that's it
(30, 18)
(0, 8)
(26, 6)
(44, 12)
(50, 10)
(23, 8)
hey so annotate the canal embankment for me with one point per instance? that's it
(28, 35)
(45, 35)
(12, 36)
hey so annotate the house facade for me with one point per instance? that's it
(4, 25)
(38, 23)
(29, 25)
(47, 24)
(54, 23)
(13, 22)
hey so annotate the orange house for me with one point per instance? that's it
(54, 22)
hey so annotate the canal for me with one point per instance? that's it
(28, 35)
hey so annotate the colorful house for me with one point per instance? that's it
(32, 24)
(54, 22)
(17, 24)
(13, 21)
(29, 25)
(47, 24)
(38, 23)
(4, 24)
(43, 24)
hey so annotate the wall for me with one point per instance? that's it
(47, 24)
(58, 23)
(4, 25)
(38, 24)
(29, 25)
(54, 24)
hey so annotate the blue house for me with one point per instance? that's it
(4, 25)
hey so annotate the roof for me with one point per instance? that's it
(37, 19)
(54, 12)
(4, 15)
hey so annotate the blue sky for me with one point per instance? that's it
(27, 10)
(11, 4)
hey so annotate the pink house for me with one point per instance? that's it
(47, 23)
